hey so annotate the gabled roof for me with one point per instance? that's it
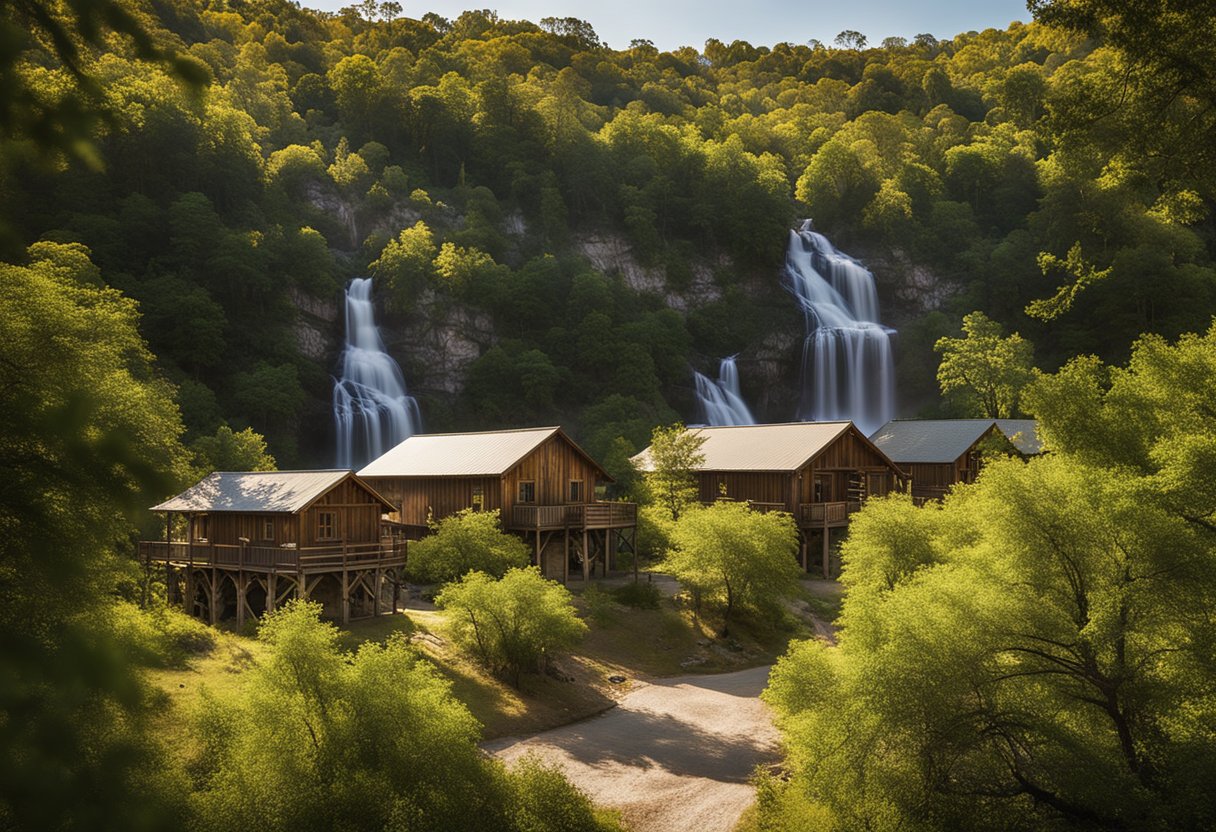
(480, 454)
(929, 441)
(260, 491)
(1023, 434)
(784, 447)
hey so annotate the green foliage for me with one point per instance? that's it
(230, 450)
(735, 558)
(983, 371)
(406, 264)
(319, 737)
(465, 542)
(160, 636)
(672, 460)
(88, 436)
(514, 624)
(1036, 653)
(642, 595)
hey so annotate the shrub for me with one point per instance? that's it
(642, 595)
(465, 542)
(513, 624)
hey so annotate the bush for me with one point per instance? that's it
(513, 624)
(160, 636)
(599, 604)
(465, 542)
(545, 800)
(642, 595)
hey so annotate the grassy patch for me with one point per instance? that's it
(671, 640)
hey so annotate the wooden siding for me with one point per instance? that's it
(551, 466)
(760, 487)
(438, 497)
(849, 469)
(356, 520)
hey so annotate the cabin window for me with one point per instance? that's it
(268, 529)
(722, 490)
(327, 525)
(200, 527)
(527, 491)
(576, 491)
(823, 490)
(479, 498)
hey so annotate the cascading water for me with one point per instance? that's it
(721, 400)
(372, 410)
(847, 366)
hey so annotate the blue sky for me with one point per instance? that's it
(674, 23)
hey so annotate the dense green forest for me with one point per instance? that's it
(560, 232)
(580, 225)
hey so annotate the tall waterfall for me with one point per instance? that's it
(847, 366)
(721, 400)
(372, 410)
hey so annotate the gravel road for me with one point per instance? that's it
(675, 754)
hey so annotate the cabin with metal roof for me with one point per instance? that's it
(817, 471)
(240, 543)
(938, 453)
(540, 481)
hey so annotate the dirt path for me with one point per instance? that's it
(675, 754)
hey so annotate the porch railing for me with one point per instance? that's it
(330, 556)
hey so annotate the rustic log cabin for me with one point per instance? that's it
(239, 544)
(819, 472)
(542, 484)
(938, 453)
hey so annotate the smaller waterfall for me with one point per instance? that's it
(721, 400)
(847, 366)
(372, 410)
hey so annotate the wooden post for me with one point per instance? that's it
(345, 596)
(827, 537)
(376, 591)
(566, 558)
(240, 599)
(272, 588)
(586, 559)
(188, 604)
(804, 546)
(213, 604)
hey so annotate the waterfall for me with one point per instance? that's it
(372, 410)
(721, 400)
(847, 366)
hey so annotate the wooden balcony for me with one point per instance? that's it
(331, 558)
(605, 515)
(832, 515)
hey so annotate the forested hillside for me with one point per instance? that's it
(561, 231)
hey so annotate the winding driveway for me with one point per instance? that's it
(675, 754)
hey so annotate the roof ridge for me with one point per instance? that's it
(771, 424)
(483, 432)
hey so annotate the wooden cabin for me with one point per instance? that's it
(239, 544)
(542, 484)
(938, 453)
(817, 471)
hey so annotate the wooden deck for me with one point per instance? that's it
(830, 515)
(312, 559)
(605, 515)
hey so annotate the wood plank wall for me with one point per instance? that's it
(552, 465)
(357, 521)
(440, 496)
(849, 456)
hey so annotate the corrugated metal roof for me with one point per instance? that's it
(784, 447)
(484, 454)
(929, 440)
(1023, 433)
(254, 491)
